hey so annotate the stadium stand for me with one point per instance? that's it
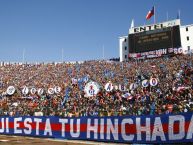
(172, 94)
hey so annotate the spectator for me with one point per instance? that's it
(173, 94)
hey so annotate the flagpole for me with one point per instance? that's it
(154, 15)
(167, 16)
(103, 52)
(62, 55)
(179, 13)
(23, 56)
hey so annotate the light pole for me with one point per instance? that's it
(23, 56)
(103, 52)
(62, 55)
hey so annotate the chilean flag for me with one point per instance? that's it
(150, 13)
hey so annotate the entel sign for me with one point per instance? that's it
(154, 26)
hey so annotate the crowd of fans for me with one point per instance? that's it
(173, 93)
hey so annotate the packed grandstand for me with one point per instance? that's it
(172, 94)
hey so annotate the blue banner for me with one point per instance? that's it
(125, 129)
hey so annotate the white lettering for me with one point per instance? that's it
(2, 125)
(77, 133)
(190, 129)
(7, 125)
(27, 125)
(101, 128)
(93, 128)
(158, 130)
(112, 129)
(123, 131)
(37, 121)
(16, 125)
(164, 51)
(181, 120)
(144, 128)
(63, 121)
(48, 129)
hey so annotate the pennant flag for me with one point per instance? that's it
(66, 96)
(127, 96)
(150, 13)
(182, 88)
(80, 86)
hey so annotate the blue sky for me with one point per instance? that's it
(80, 27)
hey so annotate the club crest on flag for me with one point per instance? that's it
(91, 89)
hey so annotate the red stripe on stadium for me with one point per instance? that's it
(129, 128)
